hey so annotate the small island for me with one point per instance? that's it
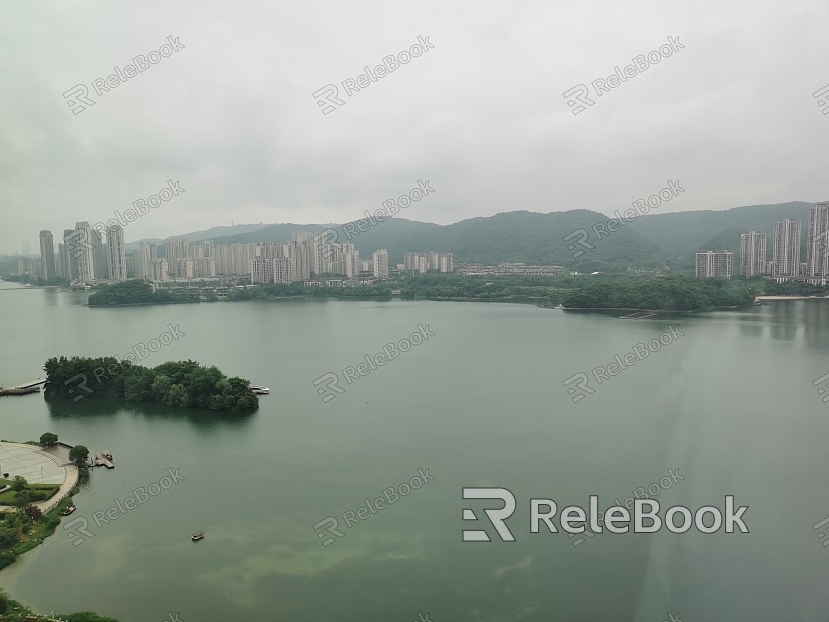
(599, 290)
(671, 293)
(181, 384)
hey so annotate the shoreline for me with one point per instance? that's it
(791, 297)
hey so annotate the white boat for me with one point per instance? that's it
(259, 390)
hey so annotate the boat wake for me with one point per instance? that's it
(170, 539)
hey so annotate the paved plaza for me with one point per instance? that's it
(27, 460)
(32, 463)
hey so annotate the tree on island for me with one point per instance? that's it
(19, 484)
(78, 455)
(181, 384)
(48, 439)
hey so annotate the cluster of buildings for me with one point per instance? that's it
(785, 263)
(426, 262)
(85, 256)
(88, 255)
(508, 268)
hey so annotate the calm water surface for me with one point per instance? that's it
(731, 405)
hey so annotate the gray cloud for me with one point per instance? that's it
(482, 115)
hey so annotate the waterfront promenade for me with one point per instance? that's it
(38, 466)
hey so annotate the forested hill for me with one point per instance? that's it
(651, 241)
(508, 237)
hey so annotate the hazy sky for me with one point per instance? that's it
(232, 117)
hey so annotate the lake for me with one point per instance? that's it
(730, 406)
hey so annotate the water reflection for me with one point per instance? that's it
(86, 409)
(815, 322)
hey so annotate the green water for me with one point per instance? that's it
(731, 405)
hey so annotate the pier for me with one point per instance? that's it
(104, 459)
(24, 389)
(639, 315)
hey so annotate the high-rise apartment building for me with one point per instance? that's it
(60, 268)
(175, 249)
(181, 268)
(786, 248)
(282, 272)
(317, 245)
(84, 251)
(47, 255)
(817, 258)
(447, 262)
(714, 264)
(381, 263)
(261, 270)
(752, 254)
(299, 253)
(351, 261)
(434, 261)
(117, 256)
(147, 251)
(426, 262)
(203, 267)
(159, 270)
(67, 255)
(101, 251)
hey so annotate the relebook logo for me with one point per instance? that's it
(706, 519)
(327, 97)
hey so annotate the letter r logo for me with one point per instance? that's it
(326, 96)
(81, 525)
(331, 529)
(331, 387)
(582, 241)
(80, 385)
(76, 97)
(496, 517)
(577, 98)
(581, 390)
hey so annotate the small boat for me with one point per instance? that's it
(68, 510)
(197, 536)
(259, 390)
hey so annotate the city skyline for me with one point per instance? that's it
(310, 253)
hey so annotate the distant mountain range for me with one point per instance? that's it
(653, 241)
(198, 236)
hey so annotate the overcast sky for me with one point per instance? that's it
(232, 117)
